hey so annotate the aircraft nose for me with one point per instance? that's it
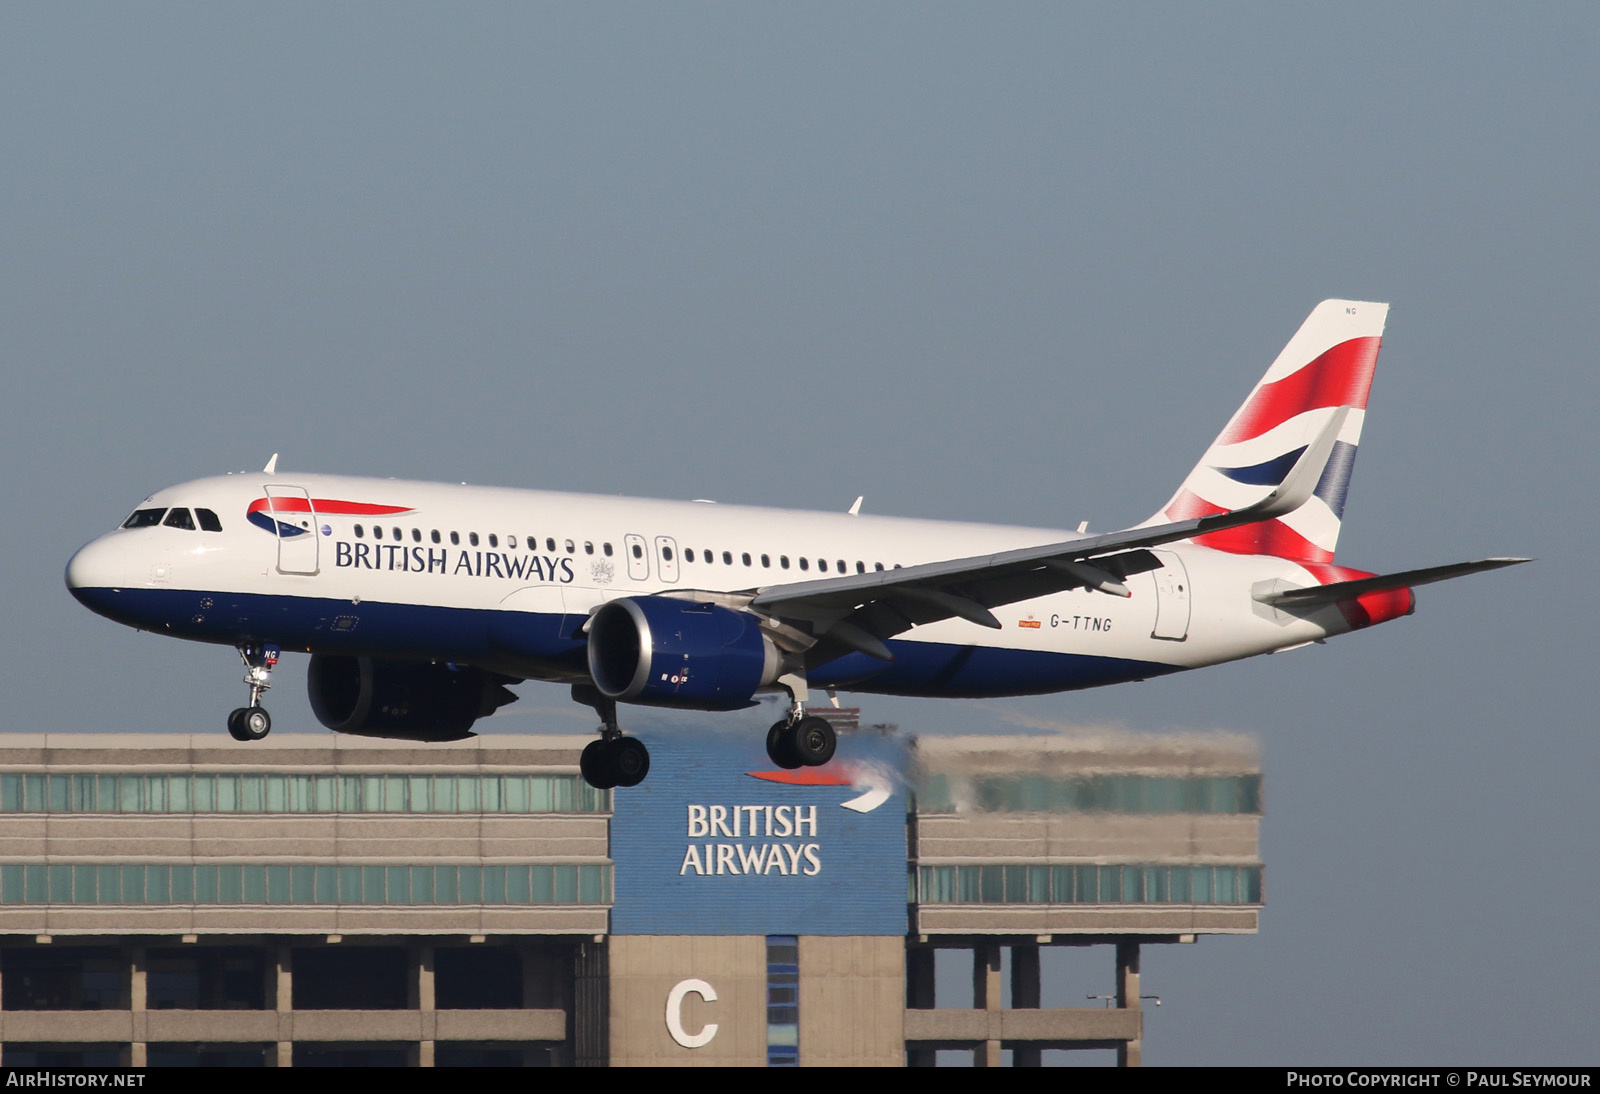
(93, 572)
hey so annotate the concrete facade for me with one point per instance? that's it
(322, 899)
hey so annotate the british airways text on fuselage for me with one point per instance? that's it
(406, 558)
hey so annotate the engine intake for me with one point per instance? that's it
(675, 653)
(412, 700)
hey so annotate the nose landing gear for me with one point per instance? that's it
(252, 723)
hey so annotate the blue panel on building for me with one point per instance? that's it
(718, 841)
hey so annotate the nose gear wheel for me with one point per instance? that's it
(252, 723)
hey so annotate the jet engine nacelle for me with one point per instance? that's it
(414, 700)
(677, 653)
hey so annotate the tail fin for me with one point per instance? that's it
(1327, 365)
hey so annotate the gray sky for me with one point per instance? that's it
(1000, 262)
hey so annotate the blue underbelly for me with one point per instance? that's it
(551, 644)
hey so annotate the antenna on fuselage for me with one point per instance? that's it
(272, 466)
(855, 510)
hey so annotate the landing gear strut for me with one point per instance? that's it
(801, 739)
(252, 723)
(613, 760)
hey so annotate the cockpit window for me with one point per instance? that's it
(144, 518)
(208, 520)
(179, 518)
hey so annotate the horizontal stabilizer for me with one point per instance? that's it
(1344, 590)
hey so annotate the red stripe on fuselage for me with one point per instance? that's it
(1340, 377)
(324, 506)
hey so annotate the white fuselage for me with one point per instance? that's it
(446, 572)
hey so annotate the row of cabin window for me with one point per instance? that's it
(175, 518)
(766, 560)
(435, 536)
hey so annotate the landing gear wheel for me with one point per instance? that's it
(813, 741)
(595, 765)
(249, 724)
(629, 760)
(781, 747)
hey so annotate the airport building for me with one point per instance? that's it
(323, 899)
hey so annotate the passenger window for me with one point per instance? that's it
(822, 564)
(861, 567)
(607, 548)
(377, 531)
(571, 547)
(805, 564)
(727, 558)
(550, 543)
(511, 542)
(472, 538)
(666, 553)
(688, 554)
(841, 566)
(877, 565)
(397, 536)
(494, 540)
(179, 518)
(588, 546)
(455, 539)
(746, 557)
(144, 518)
(638, 551)
(783, 561)
(208, 520)
(416, 535)
(434, 535)
(767, 562)
(359, 532)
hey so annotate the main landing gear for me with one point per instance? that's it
(615, 759)
(806, 742)
(801, 739)
(252, 723)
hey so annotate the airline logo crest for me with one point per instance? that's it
(874, 781)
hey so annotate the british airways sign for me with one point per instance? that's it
(717, 841)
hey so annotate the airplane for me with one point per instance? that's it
(419, 602)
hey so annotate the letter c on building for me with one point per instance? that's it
(675, 1013)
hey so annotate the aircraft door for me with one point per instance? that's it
(295, 519)
(1172, 597)
(667, 558)
(638, 560)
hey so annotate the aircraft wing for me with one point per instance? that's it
(857, 611)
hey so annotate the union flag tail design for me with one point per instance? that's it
(1327, 365)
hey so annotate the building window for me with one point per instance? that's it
(1109, 793)
(783, 1001)
(246, 792)
(269, 884)
(1056, 883)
